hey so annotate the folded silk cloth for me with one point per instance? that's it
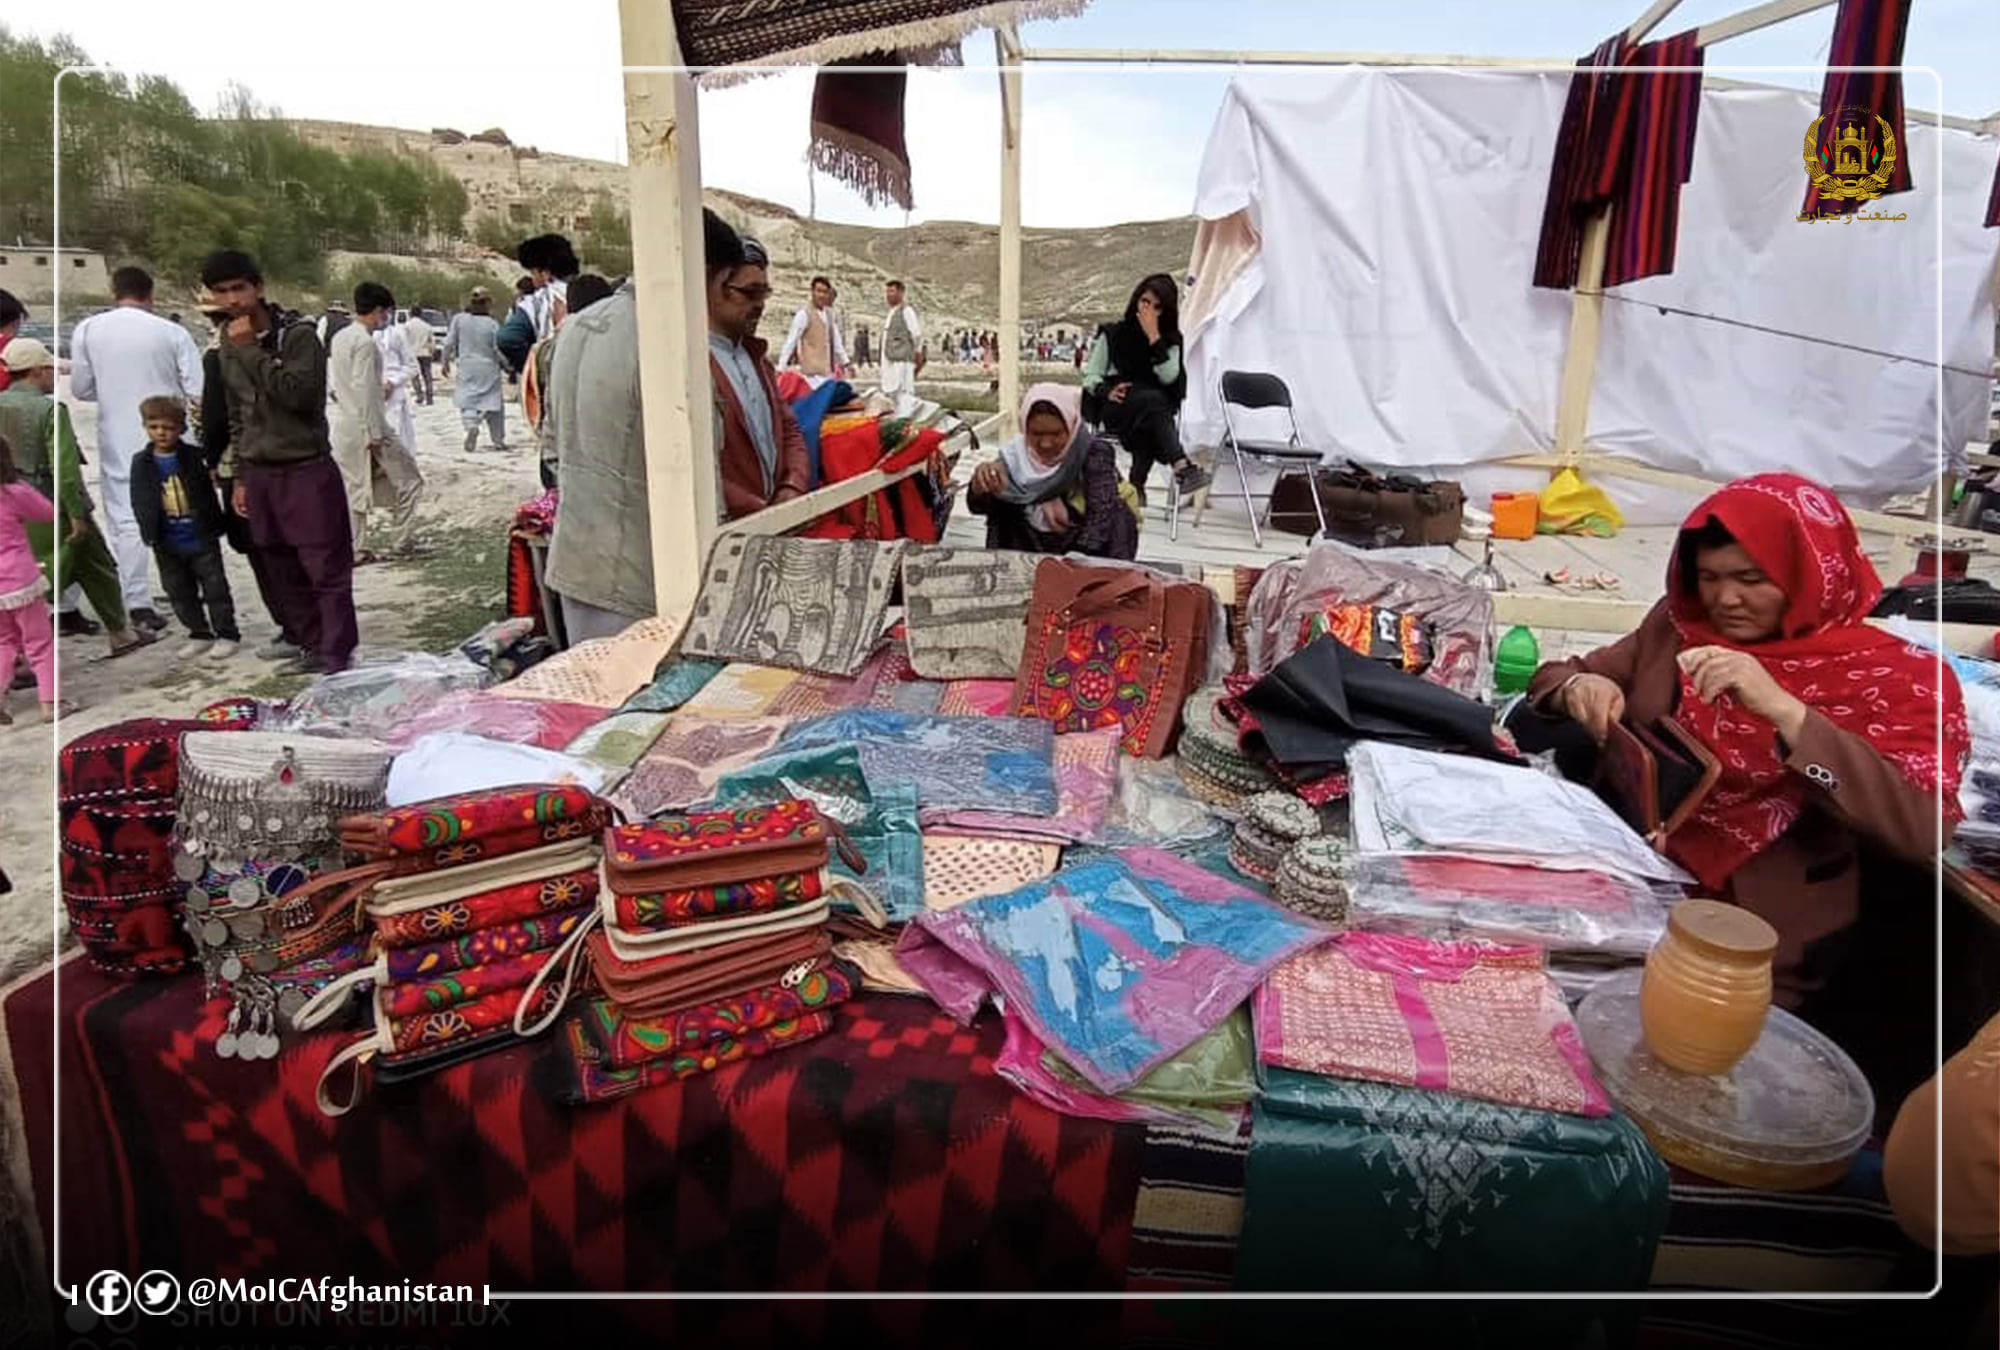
(1482, 1021)
(1116, 965)
(740, 690)
(620, 740)
(1207, 1085)
(675, 682)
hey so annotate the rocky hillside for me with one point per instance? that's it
(1069, 277)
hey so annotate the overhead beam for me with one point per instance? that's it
(663, 151)
(1650, 20)
(1214, 57)
(1007, 50)
(1751, 20)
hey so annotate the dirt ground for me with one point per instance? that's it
(423, 604)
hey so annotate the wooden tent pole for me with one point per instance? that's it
(1007, 51)
(663, 150)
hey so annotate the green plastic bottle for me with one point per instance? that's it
(1515, 659)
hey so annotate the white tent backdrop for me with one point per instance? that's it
(1400, 210)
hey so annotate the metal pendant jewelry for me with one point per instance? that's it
(232, 967)
(225, 1044)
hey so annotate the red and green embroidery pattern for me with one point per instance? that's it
(627, 1043)
(502, 905)
(427, 1030)
(669, 909)
(1096, 675)
(488, 944)
(408, 998)
(596, 1081)
(498, 819)
(684, 836)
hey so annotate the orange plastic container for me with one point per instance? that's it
(1515, 514)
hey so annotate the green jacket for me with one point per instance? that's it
(45, 450)
(277, 395)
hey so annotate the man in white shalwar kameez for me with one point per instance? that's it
(376, 466)
(117, 359)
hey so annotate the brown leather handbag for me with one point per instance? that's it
(1113, 646)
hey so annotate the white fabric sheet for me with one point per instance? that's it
(1400, 211)
(446, 763)
(1419, 801)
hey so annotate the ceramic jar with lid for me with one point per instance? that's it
(1707, 986)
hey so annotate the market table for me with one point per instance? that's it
(887, 1155)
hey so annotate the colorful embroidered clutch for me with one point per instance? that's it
(672, 909)
(592, 1080)
(705, 849)
(448, 831)
(626, 1042)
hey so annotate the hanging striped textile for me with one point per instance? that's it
(1564, 210)
(1626, 142)
(1865, 33)
(1645, 220)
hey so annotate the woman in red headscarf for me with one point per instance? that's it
(1827, 727)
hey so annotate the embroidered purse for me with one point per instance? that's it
(450, 831)
(1113, 646)
(715, 850)
(626, 1041)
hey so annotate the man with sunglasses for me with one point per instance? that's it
(762, 451)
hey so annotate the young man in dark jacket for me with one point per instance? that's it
(180, 519)
(286, 483)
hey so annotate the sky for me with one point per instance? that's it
(1100, 145)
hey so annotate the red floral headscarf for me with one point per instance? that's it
(1859, 677)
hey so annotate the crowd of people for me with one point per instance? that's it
(292, 441)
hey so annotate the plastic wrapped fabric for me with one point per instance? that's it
(372, 699)
(1117, 965)
(507, 647)
(1154, 809)
(1460, 1194)
(547, 725)
(879, 815)
(1086, 769)
(1406, 800)
(447, 763)
(1562, 910)
(1473, 1018)
(1208, 1085)
(955, 763)
(1460, 617)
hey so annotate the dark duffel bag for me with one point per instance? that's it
(1369, 509)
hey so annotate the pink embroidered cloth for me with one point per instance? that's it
(1463, 1017)
(977, 698)
(1086, 769)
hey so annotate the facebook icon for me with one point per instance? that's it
(108, 1293)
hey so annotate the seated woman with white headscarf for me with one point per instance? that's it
(1055, 487)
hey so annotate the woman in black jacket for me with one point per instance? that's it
(1134, 382)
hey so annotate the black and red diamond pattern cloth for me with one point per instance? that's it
(886, 1155)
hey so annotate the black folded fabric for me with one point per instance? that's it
(1947, 599)
(1316, 704)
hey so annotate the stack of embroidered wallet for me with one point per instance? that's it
(714, 945)
(474, 903)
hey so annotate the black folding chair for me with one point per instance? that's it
(1252, 390)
